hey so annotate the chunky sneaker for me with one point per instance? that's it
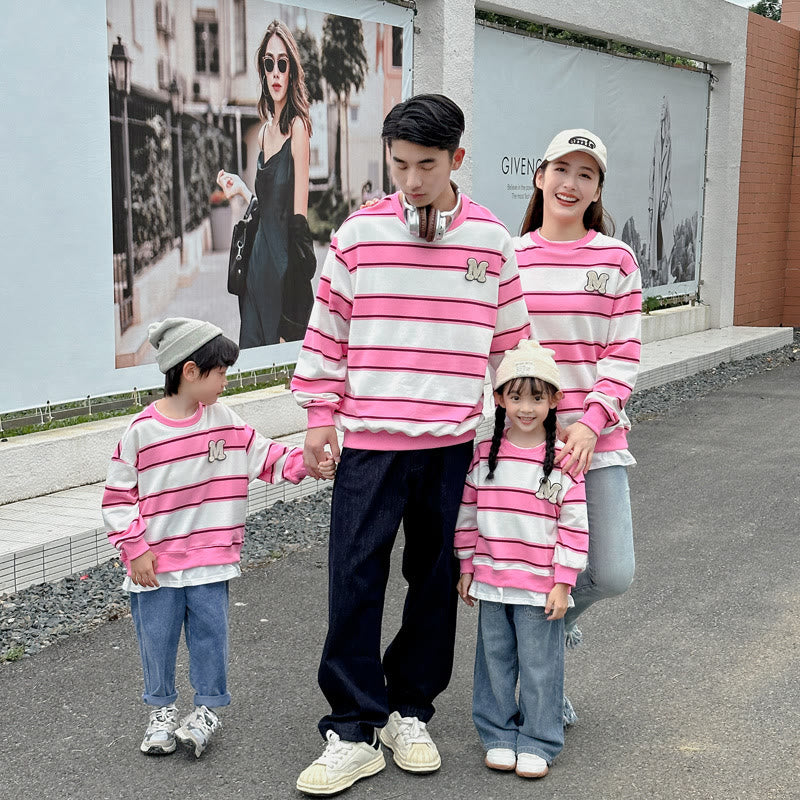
(196, 729)
(530, 765)
(159, 738)
(340, 766)
(411, 744)
(502, 758)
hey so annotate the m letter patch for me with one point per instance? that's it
(476, 271)
(216, 450)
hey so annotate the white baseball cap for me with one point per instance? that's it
(577, 139)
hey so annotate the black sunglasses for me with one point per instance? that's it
(269, 64)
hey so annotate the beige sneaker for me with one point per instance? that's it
(412, 747)
(340, 766)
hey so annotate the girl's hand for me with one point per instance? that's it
(557, 602)
(143, 570)
(232, 185)
(464, 582)
(576, 455)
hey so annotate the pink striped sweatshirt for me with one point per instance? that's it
(179, 487)
(514, 531)
(585, 301)
(401, 331)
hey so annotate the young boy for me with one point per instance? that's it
(175, 504)
(418, 293)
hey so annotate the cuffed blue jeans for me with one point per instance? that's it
(611, 560)
(202, 612)
(373, 493)
(518, 642)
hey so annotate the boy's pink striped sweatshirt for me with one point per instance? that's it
(585, 302)
(401, 331)
(512, 531)
(179, 487)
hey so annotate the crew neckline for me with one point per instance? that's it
(177, 423)
(537, 237)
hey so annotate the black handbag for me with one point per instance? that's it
(244, 234)
(297, 297)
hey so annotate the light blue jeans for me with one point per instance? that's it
(202, 612)
(611, 561)
(517, 642)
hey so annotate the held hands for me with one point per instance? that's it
(327, 468)
(557, 602)
(579, 443)
(232, 185)
(314, 452)
(143, 570)
(462, 587)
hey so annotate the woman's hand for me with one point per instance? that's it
(232, 185)
(576, 455)
(143, 570)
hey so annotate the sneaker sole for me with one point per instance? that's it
(404, 765)
(159, 750)
(499, 767)
(371, 768)
(533, 774)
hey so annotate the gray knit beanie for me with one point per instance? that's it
(528, 360)
(176, 338)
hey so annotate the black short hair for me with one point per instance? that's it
(430, 120)
(218, 352)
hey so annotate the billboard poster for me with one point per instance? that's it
(651, 117)
(226, 101)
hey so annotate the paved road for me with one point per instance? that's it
(687, 687)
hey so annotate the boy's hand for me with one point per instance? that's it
(327, 468)
(143, 570)
(464, 582)
(314, 449)
(557, 602)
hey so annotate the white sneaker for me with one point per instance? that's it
(159, 738)
(411, 745)
(530, 765)
(197, 728)
(502, 758)
(340, 766)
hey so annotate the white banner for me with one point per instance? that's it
(652, 118)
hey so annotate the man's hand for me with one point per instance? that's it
(317, 439)
(143, 570)
(576, 455)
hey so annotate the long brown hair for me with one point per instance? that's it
(296, 95)
(595, 218)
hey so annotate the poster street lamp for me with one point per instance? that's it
(121, 77)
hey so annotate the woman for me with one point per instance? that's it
(583, 292)
(277, 301)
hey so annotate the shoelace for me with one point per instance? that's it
(205, 723)
(162, 719)
(335, 751)
(412, 730)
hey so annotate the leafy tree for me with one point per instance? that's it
(309, 58)
(771, 9)
(344, 67)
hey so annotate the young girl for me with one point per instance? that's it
(522, 539)
(583, 292)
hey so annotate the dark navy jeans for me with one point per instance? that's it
(373, 493)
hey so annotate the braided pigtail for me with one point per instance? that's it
(497, 437)
(550, 443)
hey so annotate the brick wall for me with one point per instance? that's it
(768, 243)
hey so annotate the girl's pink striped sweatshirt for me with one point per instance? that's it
(514, 531)
(585, 302)
(401, 332)
(179, 487)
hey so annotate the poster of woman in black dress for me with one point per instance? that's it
(277, 301)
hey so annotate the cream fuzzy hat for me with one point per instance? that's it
(176, 338)
(528, 360)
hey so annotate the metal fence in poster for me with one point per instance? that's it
(651, 117)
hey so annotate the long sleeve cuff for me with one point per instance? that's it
(595, 418)
(133, 549)
(564, 574)
(320, 416)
